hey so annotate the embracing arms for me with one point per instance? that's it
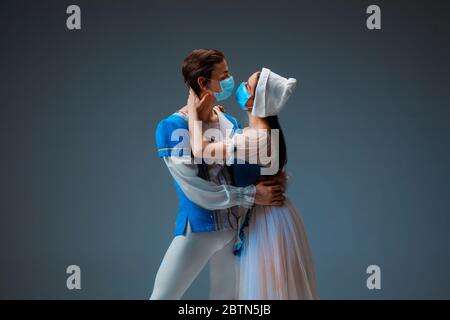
(211, 196)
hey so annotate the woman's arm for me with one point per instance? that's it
(251, 145)
(217, 150)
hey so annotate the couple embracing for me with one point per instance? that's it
(230, 183)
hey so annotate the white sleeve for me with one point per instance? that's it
(206, 193)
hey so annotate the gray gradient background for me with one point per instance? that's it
(367, 131)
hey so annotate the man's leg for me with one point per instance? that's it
(186, 257)
(224, 273)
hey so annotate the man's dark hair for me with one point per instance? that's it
(200, 63)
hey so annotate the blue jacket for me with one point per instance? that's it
(169, 142)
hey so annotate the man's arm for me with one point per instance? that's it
(212, 196)
(206, 193)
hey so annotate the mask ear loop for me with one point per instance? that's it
(254, 93)
(212, 91)
(253, 98)
(221, 88)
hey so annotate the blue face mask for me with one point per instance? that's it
(242, 96)
(227, 86)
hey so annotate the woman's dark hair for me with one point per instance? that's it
(200, 63)
(275, 124)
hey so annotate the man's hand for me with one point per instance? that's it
(280, 178)
(269, 193)
(219, 108)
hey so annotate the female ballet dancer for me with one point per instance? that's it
(275, 260)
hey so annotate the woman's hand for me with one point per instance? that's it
(194, 102)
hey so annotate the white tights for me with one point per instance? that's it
(187, 256)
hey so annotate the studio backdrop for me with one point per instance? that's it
(367, 131)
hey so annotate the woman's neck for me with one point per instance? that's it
(256, 122)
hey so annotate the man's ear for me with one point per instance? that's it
(201, 82)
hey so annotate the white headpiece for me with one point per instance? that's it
(272, 93)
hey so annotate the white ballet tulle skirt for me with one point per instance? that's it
(275, 261)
